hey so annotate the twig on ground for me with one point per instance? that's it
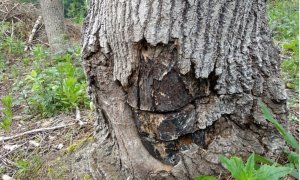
(4, 155)
(35, 131)
(78, 117)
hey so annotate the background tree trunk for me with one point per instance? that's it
(53, 16)
(176, 83)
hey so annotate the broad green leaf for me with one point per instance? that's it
(267, 172)
(205, 178)
(249, 168)
(234, 165)
(286, 135)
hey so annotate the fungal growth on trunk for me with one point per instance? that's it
(176, 83)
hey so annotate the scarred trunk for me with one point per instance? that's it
(177, 83)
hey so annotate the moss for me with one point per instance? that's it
(73, 147)
(87, 177)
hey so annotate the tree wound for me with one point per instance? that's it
(165, 102)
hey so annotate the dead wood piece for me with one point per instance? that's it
(33, 32)
(34, 131)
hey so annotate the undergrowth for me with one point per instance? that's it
(47, 85)
(54, 84)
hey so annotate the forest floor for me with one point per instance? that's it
(33, 140)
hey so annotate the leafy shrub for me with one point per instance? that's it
(266, 169)
(54, 85)
(7, 113)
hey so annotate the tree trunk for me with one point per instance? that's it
(176, 83)
(53, 16)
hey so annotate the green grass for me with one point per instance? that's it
(284, 23)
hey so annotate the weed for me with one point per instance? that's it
(28, 167)
(54, 85)
(13, 46)
(293, 157)
(268, 170)
(248, 171)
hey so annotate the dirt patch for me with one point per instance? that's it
(43, 145)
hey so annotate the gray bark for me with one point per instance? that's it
(176, 83)
(53, 16)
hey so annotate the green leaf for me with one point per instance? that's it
(249, 168)
(205, 178)
(264, 160)
(33, 73)
(234, 165)
(286, 135)
(22, 164)
(293, 158)
(6, 101)
(267, 172)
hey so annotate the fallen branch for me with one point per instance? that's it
(34, 131)
(33, 32)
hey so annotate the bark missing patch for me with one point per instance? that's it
(164, 102)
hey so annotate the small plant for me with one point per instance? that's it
(261, 168)
(39, 53)
(7, 112)
(13, 46)
(28, 167)
(248, 171)
(293, 157)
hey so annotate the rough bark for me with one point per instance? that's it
(53, 16)
(176, 83)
